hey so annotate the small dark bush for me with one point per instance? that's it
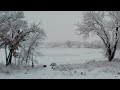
(44, 65)
(53, 64)
(7, 72)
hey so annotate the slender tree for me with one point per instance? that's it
(68, 44)
(29, 48)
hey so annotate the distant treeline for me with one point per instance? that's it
(74, 44)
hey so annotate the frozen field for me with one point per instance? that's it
(65, 55)
(69, 55)
(71, 65)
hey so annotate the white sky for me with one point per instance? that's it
(59, 25)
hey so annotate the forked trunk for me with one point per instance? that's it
(9, 58)
(112, 52)
(109, 55)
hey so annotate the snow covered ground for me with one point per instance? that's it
(72, 63)
(69, 55)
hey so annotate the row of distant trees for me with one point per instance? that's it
(75, 44)
(19, 39)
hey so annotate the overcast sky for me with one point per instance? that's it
(59, 25)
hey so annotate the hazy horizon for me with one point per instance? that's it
(58, 25)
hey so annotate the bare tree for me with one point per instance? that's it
(29, 48)
(68, 44)
(105, 25)
(14, 31)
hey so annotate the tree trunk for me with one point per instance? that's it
(109, 54)
(28, 55)
(15, 61)
(110, 58)
(6, 55)
(32, 61)
(112, 52)
(9, 58)
(27, 58)
(115, 46)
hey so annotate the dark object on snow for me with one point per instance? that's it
(82, 73)
(26, 73)
(118, 72)
(53, 65)
(32, 64)
(75, 72)
(44, 65)
(7, 72)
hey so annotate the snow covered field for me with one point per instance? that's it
(74, 65)
(69, 55)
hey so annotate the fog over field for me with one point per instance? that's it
(57, 24)
(60, 44)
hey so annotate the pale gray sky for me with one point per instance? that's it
(59, 25)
